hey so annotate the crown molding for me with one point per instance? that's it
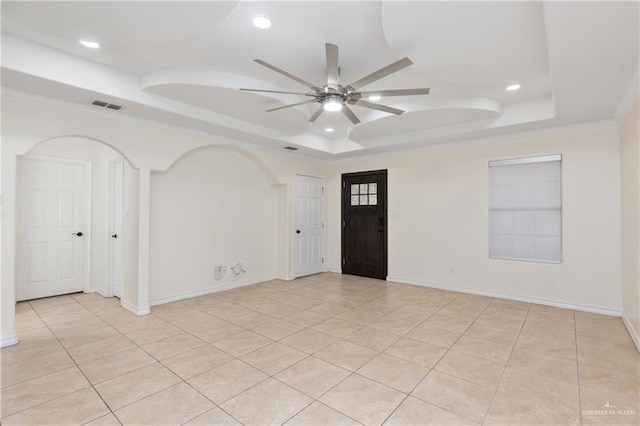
(601, 124)
(214, 139)
(397, 152)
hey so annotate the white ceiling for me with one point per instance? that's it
(181, 63)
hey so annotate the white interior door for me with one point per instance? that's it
(308, 233)
(115, 251)
(53, 197)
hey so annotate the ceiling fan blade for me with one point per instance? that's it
(278, 91)
(292, 105)
(286, 74)
(381, 73)
(332, 64)
(350, 115)
(385, 93)
(316, 114)
(378, 107)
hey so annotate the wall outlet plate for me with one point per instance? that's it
(220, 270)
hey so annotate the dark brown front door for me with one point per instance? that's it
(364, 224)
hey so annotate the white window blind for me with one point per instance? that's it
(525, 209)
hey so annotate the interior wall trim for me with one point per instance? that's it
(134, 310)
(285, 277)
(215, 139)
(629, 97)
(8, 341)
(100, 291)
(12, 94)
(632, 332)
(209, 290)
(563, 305)
(459, 143)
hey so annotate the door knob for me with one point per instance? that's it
(114, 236)
(297, 231)
(78, 234)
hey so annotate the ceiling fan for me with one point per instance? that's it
(336, 97)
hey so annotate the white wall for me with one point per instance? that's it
(28, 121)
(131, 242)
(99, 155)
(212, 207)
(440, 197)
(630, 186)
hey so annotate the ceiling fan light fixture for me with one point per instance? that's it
(329, 129)
(261, 22)
(375, 97)
(513, 87)
(90, 44)
(332, 103)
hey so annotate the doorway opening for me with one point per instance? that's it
(65, 213)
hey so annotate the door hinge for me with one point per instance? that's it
(323, 189)
(343, 261)
(344, 184)
(344, 224)
(323, 260)
(322, 225)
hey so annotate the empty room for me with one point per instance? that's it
(320, 213)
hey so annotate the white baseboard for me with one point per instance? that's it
(632, 332)
(100, 291)
(285, 278)
(332, 269)
(9, 341)
(209, 290)
(134, 310)
(525, 299)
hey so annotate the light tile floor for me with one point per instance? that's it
(322, 350)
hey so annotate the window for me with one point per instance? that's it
(525, 209)
(364, 194)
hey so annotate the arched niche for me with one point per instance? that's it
(269, 175)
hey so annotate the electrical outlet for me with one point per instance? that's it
(238, 268)
(220, 271)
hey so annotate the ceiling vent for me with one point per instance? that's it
(291, 148)
(103, 104)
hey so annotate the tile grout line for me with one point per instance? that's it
(445, 354)
(575, 330)
(77, 367)
(358, 299)
(495, 392)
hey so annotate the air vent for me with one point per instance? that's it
(104, 104)
(291, 148)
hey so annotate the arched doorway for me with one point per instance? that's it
(70, 205)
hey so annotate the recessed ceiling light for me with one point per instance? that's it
(374, 97)
(513, 87)
(329, 129)
(261, 22)
(90, 44)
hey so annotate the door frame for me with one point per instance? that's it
(88, 180)
(110, 261)
(293, 222)
(385, 176)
